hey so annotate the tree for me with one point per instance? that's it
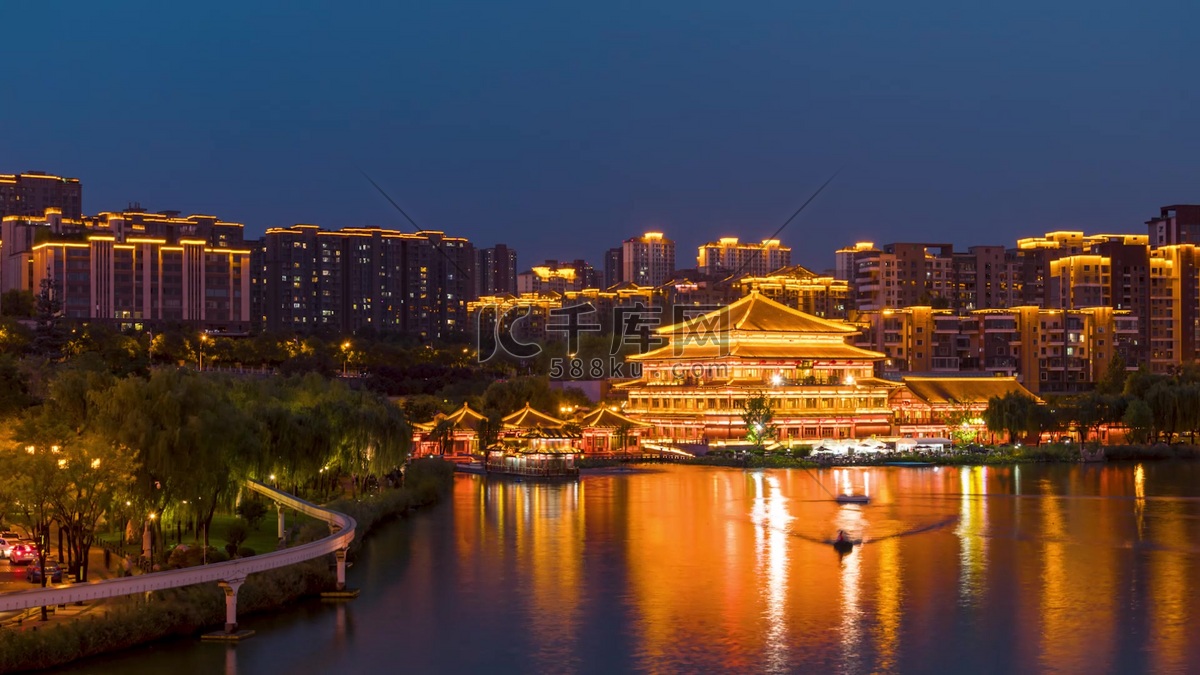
(96, 475)
(1140, 421)
(1114, 378)
(961, 421)
(35, 471)
(622, 433)
(442, 434)
(757, 415)
(252, 510)
(18, 303)
(1013, 414)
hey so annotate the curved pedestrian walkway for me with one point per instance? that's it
(229, 574)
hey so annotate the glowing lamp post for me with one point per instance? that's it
(200, 350)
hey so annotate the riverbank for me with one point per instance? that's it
(1066, 453)
(135, 620)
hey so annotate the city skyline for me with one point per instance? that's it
(549, 127)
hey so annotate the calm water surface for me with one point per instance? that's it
(1037, 568)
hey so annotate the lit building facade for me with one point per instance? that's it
(904, 275)
(822, 296)
(552, 277)
(694, 389)
(647, 260)
(350, 279)
(727, 256)
(32, 192)
(134, 268)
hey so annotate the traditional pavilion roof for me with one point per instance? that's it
(963, 390)
(528, 418)
(463, 419)
(757, 312)
(603, 418)
(781, 350)
(466, 418)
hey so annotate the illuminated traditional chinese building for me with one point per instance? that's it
(937, 407)
(695, 388)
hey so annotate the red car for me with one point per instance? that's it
(22, 554)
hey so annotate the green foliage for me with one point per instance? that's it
(252, 510)
(1013, 414)
(1140, 420)
(757, 415)
(18, 303)
(235, 535)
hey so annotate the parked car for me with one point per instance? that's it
(53, 571)
(22, 554)
(7, 544)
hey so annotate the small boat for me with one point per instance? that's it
(852, 499)
(843, 544)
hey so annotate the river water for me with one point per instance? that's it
(1079, 569)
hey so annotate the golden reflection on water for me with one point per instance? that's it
(1170, 587)
(735, 568)
(972, 534)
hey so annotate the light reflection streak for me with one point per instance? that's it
(771, 520)
(850, 519)
(1169, 590)
(888, 604)
(1139, 503)
(972, 531)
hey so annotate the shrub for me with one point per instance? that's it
(245, 552)
(252, 510)
(235, 535)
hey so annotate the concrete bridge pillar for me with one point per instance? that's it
(279, 507)
(231, 586)
(340, 555)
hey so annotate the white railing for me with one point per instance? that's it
(343, 533)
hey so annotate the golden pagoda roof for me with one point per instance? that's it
(608, 418)
(963, 390)
(528, 418)
(756, 312)
(464, 419)
(831, 350)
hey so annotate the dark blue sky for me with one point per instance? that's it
(562, 128)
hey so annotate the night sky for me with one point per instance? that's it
(562, 128)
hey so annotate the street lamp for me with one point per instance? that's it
(345, 356)
(203, 339)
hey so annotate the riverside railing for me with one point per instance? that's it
(229, 574)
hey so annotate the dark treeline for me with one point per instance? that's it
(1153, 408)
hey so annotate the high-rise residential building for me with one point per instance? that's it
(587, 276)
(647, 260)
(32, 192)
(985, 277)
(1174, 307)
(614, 266)
(550, 277)
(846, 260)
(133, 268)
(727, 256)
(495, 270)
(366, 278)
(1178, 224)
(904, 275)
